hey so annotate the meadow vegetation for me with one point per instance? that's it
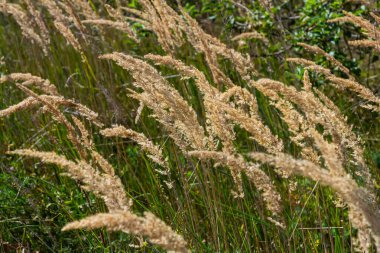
(189, 126)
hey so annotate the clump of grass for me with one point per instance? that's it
(104, 183)
(327, 146)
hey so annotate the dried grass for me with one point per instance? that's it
(211, 137)
(147, 225)
(103, 182)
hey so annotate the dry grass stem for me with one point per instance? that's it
(105, 186)
(364, 215)
(154, 150)
(147, 225)
(237, 165)
(28, 79)
(335, 62)
(68, 35)
(37, 17)
(23, 19)
(169, 107)
(339, 82)
(251, 35)
(121, 26)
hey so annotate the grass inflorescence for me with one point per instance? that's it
(129, 127)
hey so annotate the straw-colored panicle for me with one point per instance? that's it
(75, 11)
(121, 26)
(240, 98)
(251, 35)
(353, 142)
(253, 125)
(371, 30)
(296, 121)
(310, 65)
(267, 189)
(330, 153)
(216, 123)
(68, 35)
(24, 21)
(169, 27)
(57, 115)
(373, 33)
(154, 151)
(366, 3)
(139, 112)
(62, 22)
(212, 47)
(51, 104)
(160, 18)
(363, 23)
(363, 212)
(237, 165)
(242, 63)
(174, 128)
(220, 114)
(106, 186)
(78, 108)
(218, 126)
(119, 23)
(53, 98)
(344, 138)
(103, 163)
(38, 20)
(85, 9)
(84, 111)
(330, 58)
(147, 225)
(26, 103)
(307, 85)
(201, 41)
(343, 83)
(375, 17)
(166, 23)
(28, 79)
(141, 17)
(374, 108)
(169, 107)
(187, 72)
(55, 11)
(343, 19)
(365, 43)
(56, 101)
(114, 13)
(140, 14)
(85, 135)
(352, 85)
(88, 144)
(349, 139)
(240, 106)
(316, 113)
(71, 11)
